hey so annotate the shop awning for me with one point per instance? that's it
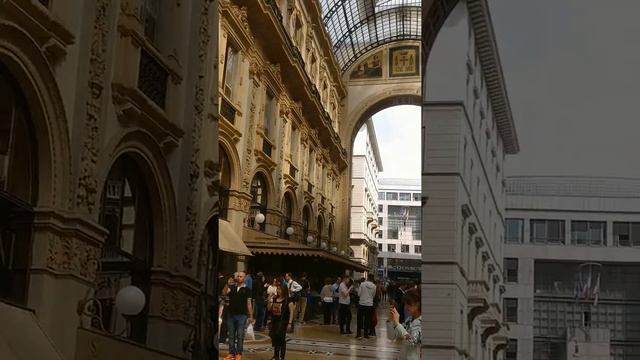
(22, 338)
(270, 246)
(230, 241)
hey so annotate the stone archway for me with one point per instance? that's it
(148, 155)
(28, 66)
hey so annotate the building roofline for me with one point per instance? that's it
(488, 54)
(373, 139)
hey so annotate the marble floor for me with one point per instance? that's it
(316, 341)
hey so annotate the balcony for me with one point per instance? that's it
(478, 299)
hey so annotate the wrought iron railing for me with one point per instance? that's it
(152, 79)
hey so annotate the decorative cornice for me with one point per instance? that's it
(489, 56)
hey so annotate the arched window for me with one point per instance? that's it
(18, 189)
(287, 214)
(127, 254)
(320, 227)
(225, 182)
(306, 220)
(258, 202)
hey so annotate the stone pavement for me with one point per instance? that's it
(316, 341)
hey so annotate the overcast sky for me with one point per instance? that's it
(572, 70)
(398, 130)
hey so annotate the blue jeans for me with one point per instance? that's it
(236, 323)
(261, 312)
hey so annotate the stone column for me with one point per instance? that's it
(65, 257)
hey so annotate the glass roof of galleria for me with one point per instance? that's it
(357, 26)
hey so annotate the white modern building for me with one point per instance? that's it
(364, 191)
(468, 130)
(572, 268)
(399, 218)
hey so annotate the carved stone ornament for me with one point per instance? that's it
(72, 256)
(241, 14)
(256, 70)
(87, 183)
(176, 305)
(191, 214)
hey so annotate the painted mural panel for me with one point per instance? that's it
(369, 68)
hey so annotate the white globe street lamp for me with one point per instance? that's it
(130, 300)
(260, 218)
(289, 231)
(342, 252)
(324, 245)
(334, 249)
(310, 239)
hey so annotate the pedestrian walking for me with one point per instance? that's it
(336, 296)
(344, 318)
(278, 307)
(326, 296)
(302, 300)
(294, 294)
(366, 292)
(259, 293)
(239, 308)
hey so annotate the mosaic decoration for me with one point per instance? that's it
(404, 61)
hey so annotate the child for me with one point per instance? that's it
(278, 306)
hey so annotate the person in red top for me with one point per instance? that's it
(239, 307)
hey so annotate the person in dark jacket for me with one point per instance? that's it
(260, 298)
(279, 309)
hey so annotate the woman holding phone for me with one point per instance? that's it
(409, 332)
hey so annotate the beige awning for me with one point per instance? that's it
(22, 338)
(230, 241)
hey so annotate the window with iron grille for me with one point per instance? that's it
(511, 353)
(511, 268)
(511, 310)
(152, 78)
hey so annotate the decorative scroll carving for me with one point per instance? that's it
(87, 183)
(248, 149)
(241, 14)
(72, 256)
(176, 305)
(191, 215)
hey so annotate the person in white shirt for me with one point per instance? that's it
(294, 294)
(326, 295)
(344, 319)
(366, 293)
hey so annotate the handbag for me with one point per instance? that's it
(249, 334)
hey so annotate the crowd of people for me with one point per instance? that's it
(278, 303)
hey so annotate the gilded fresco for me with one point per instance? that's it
(404, 61)
(369, 68)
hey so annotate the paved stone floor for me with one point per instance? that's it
(316, 341)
